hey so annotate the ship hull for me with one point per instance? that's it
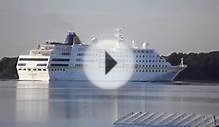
(79, 75)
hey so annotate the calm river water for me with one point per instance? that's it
(80, 104)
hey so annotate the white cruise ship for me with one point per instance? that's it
(64, 61)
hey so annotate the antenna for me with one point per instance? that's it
(119, 35)
(182, 61)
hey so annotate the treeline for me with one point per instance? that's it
(8, 68)
(201, 66)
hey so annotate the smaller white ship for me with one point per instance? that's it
(64, 61)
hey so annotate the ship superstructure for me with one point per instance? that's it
(64, 61)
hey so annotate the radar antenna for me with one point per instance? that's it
(147, 45)
(143, 45)
(94, 40)
(133, 44)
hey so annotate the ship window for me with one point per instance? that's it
(60, 59)
(29, 69)
(59, 64)
(39, 69)
(34, 69)
(78, 59)
(41, 64)
(22, 64)
(66, 53)
(146, 70)
(80, 54)
(33, 59)
(24, 69)
(78, 65)
(19, 69)
(44, 69)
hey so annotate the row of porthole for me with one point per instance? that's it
(57, 69)
(137, 61)
(138, 65)
(150, 61)
(148, 56)
(138, 70)
(151, 71)
(28, 69)
(123, 56)
(143, 51)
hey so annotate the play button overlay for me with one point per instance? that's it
(108, 64)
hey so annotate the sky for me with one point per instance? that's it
(167, 25)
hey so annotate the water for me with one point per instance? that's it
(80, 104)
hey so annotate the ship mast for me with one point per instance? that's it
(119, 38)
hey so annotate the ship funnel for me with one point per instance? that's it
(69, 38)
(72, 38)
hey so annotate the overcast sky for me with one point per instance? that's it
(168, 25)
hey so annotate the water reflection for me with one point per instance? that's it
(80, 104)
(32, 103)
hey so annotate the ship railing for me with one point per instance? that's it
(40, 52)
